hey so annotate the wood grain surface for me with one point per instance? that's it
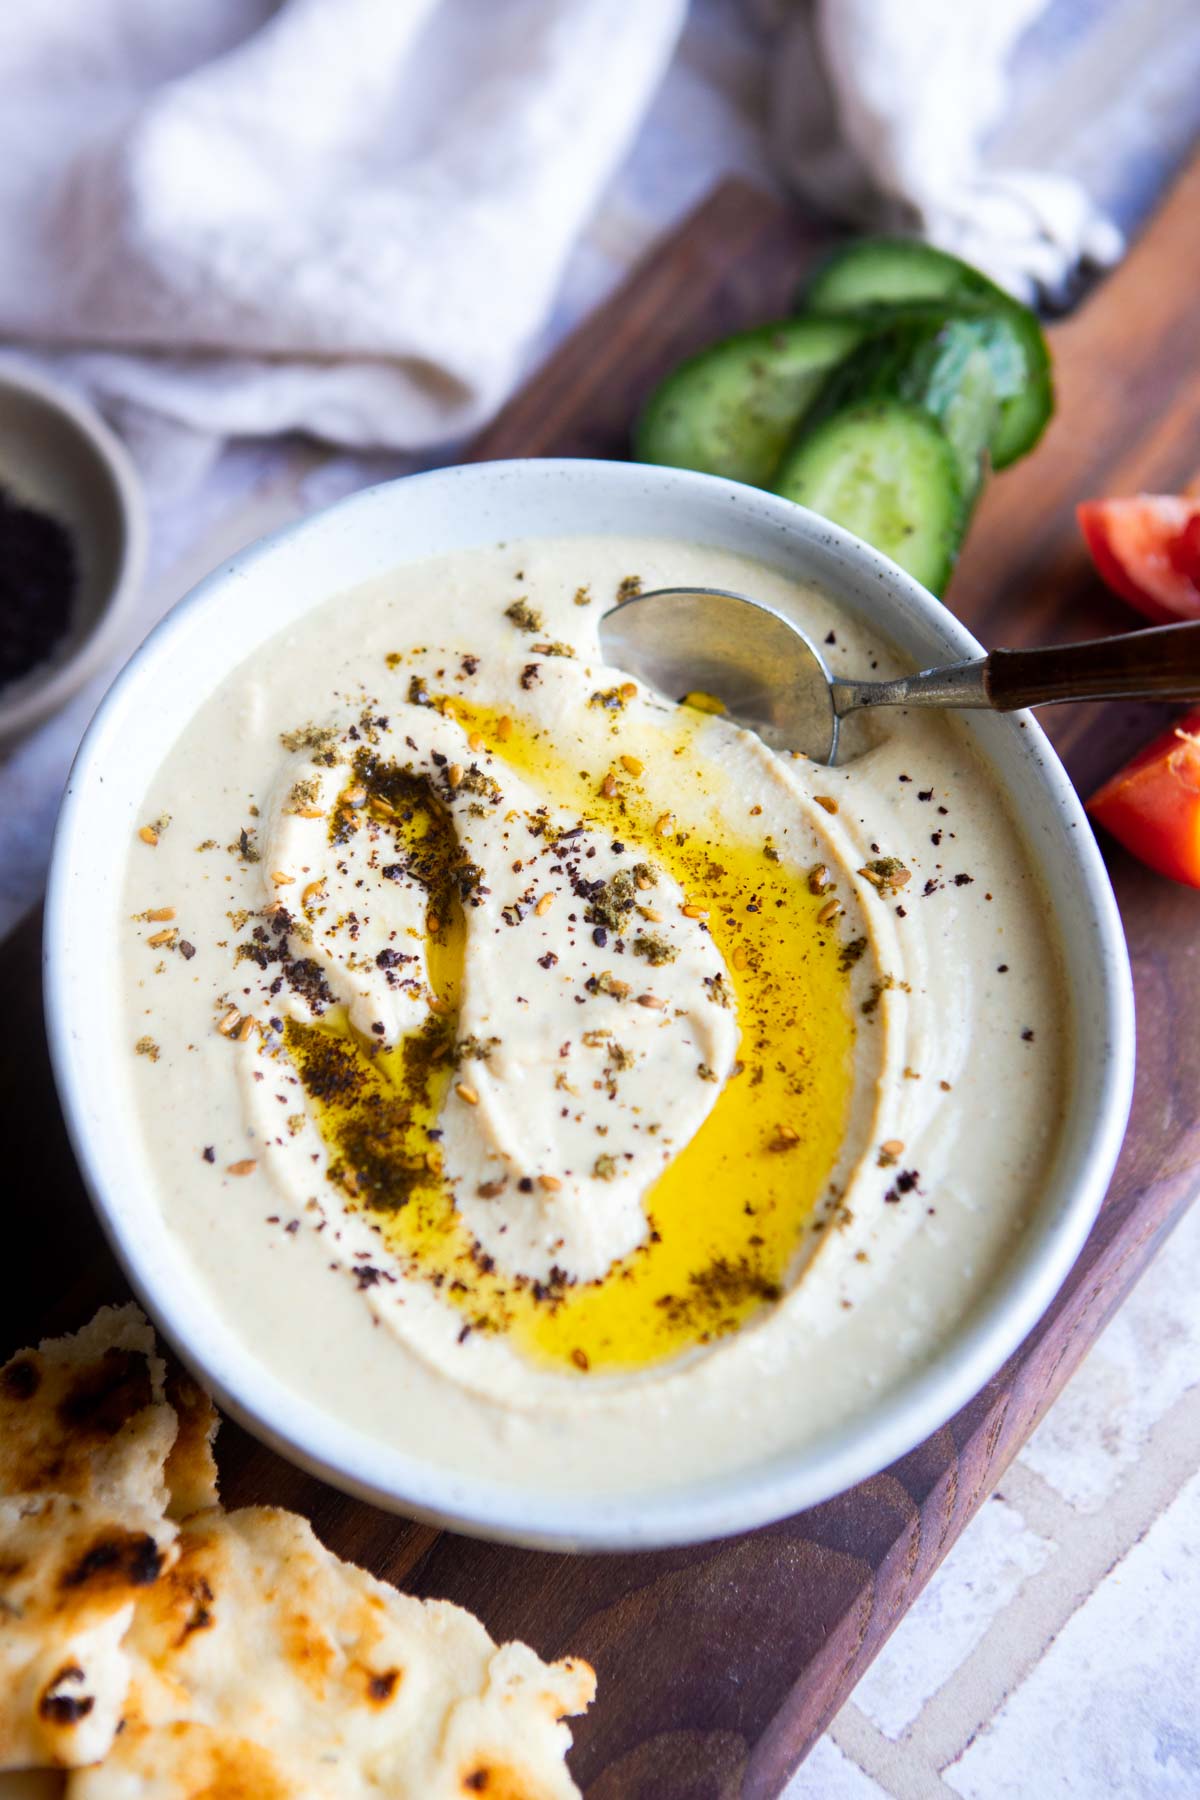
(719, 1665)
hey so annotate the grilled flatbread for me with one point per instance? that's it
(86, 1436)
(192, 1654)
(86, 1416)
(263, 1665)
(190, 1470)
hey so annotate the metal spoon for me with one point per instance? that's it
(773, 680)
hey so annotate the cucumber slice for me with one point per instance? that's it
(874, 273)
(874, 269)
(954, 365)
(732, 409)
(886, 471)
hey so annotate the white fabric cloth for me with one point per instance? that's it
(350, 215)
(343, 216)
(880, 111)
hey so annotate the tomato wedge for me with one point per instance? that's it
(1152, 805)
(1147, 549)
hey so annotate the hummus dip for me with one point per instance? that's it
(545, 1076)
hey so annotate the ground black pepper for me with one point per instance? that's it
(38, 577)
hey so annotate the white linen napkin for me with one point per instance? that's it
(880, 114)
(343, 216)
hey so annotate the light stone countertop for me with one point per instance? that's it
(1056, 1650)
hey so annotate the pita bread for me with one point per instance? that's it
(206, 1655)
(85, 1416)
(191, 1468)
(262, 1665)
(86, 1437)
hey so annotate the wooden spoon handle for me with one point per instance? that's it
(1163, 663)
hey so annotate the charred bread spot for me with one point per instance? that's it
(381, 1687)
(126, 1559)
(65, 1709)
(21, 1378)
(104, 1398)
(201, 1616)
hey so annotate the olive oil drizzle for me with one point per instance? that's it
(732, 1216)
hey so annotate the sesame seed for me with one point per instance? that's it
(246, 1167)
(651, 913)
(694, 912)
(551, 1183)
(160, 938)
(355, 796)
(829, 912)
(632, 765)
(892, 1146)
(608, 786)
(309, 812)
(740, 957)
(454, 774)
(247, 1025)
(314, 891)
(228, 1025)
(148, 835)
(652, 1000)
(475, 742)
(543, 906)
(158, 913)
(628, 689)
(830, 806)
(466, 1093)
(280, 879)
(664, 823)
(504, 726)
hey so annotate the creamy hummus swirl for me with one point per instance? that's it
(578, 1057)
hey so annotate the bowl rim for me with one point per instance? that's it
(39, 695)
(753, 1495)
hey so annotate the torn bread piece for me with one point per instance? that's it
(86, 1416)
(86, 1436)
(260, 1651)
(190, 1470)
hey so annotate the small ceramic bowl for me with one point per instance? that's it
(268, 587)
(58, 455)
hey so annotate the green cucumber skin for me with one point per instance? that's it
(886, 471)
(868, 277)
(732, 409)
(955, 365)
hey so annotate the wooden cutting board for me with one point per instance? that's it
(720, 1665)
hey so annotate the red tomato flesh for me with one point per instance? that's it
(1147, 549)
(1152, 805)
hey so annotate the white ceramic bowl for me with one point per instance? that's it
(56, 453)
(268, 587)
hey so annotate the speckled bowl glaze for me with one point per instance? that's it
(269, 586)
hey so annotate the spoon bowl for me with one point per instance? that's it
(766, 673)
(772, 679)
